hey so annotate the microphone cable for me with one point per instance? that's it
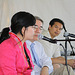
(65, 58)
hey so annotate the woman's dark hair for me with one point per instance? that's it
(4, 34)
(19, 20)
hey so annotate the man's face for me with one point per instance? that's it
(55, 29)
(38, 30)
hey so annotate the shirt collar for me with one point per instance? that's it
(29, 42)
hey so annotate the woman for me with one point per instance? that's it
(15, 58)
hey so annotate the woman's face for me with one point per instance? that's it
(29, 32)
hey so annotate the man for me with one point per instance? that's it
(45, 64)
(53, 50)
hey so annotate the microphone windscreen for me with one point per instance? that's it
(40, 36)
(65, 34)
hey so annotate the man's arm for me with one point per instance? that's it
(44, 71)
(58, 60)
(47, 66)
(61, 60)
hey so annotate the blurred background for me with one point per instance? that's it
(45, 9)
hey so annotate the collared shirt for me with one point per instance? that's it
(52, 50)
(43, 59)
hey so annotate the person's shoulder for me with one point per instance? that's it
(6, 44)
(38, 43)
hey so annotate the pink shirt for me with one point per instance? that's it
(13, 60)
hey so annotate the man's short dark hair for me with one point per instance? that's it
(56, 20)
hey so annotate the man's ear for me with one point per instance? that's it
(49, 27)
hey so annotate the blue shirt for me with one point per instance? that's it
(44, 60)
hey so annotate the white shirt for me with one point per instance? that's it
(52, 50)
(43, 59)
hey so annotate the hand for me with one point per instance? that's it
(71, 63)
(44, 71)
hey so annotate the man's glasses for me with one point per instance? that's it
(36, 27)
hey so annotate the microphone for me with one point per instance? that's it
(69, 34)
(40, 36)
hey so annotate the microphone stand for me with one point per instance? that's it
(65, 49)
(64, 40)
(66, 55)
(66, 37)
(73, 36)
(66, 52)
(55, 42)
(72, 52)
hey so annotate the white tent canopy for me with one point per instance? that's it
(45, 9)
